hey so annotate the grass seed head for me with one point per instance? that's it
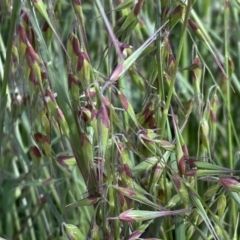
(182, 165)
(73, 232)
(62, 121)
(211, 191)
(35, 154)
(22, 34)
(43, 142)
(45, 123)
(231, 184)
(171, 64)
(196, 30)
(73, 86)
(138, 7)
(197, 74)
(73, 49)
(67, 160)
(83, 69)
(166, 145)
(85, 114)
(175, 16)
(125, 169)
(102, 115)
(33, 56)
(204, 132)
(191, 172)
(173, 201)
(47, 32)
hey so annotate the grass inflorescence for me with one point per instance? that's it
(119, 119)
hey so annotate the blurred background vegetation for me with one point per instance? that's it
(119, 119)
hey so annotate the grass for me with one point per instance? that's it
(119, 119)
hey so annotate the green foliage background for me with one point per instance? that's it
(119, 119)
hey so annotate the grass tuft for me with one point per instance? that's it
(119, 120)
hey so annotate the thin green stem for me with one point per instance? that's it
(226, 45)
(229, 126)
(179, 52)
(159, 62)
